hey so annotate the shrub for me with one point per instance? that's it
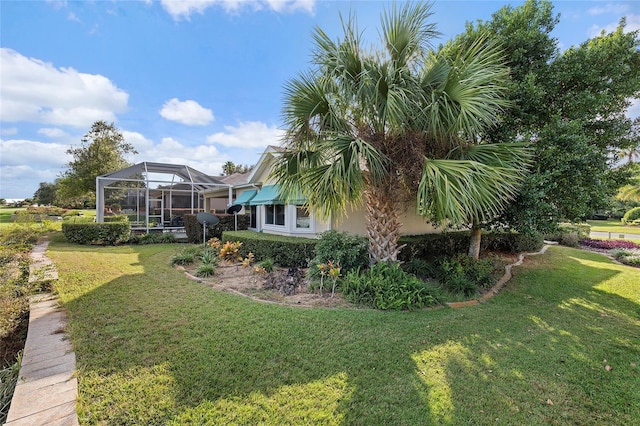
(608, 244)
(266, 266)
(420, 268)
(569, 234)
(431, 246)
(350, 251)
(285, 251)
(569, 239)
(631, 215)
(205, 270)
(183, 258)
(116, 218)
(227, 223)
(387, 286)
(461, 274)
(627, 256)
(19, 237)
(209, 256)
(96, 233)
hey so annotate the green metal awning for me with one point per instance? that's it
(269, 194)
(245, 197)
(272, 194)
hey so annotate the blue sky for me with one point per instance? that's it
(187, 82)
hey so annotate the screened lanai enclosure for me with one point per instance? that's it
(153, 195)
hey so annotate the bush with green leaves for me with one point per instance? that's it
(420, 268)
(461, 274)
(206, 270)
(570, 233)
(431, 246)
(210, 256)
(386, 286)
(183, 258)
(627, 256)
(193, 228)
(116, 218)
(350, 251)
(266, 265)
(283, 250)
(631, 215)
(96, 233)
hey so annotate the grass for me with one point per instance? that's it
(613, 226)
(559, 346)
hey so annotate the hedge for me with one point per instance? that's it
(193, 228)
(631, 216)
(284, 251)
(428, 246)
(116, 218)
(105, 233)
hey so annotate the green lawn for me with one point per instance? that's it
(6, 212)
(613, 226)
(5, 215)
(558, 346)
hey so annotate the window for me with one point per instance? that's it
(253, 216)
(303, 220)
(274, 214)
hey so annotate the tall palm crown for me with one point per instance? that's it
(398, 124)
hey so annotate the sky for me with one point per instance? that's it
(197, 82)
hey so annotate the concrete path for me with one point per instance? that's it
(47, 387)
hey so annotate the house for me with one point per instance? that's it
(260, 197)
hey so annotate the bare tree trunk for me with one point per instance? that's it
(383, 224)
(474, 242)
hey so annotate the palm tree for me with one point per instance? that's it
(228, 168)
(390, 126)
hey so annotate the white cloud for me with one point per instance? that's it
(25, 163)
(16, 152)
(187, 112)
(35, 91)
(610, 8)
(183, 9)
(633, 24)
(52, 132)
(204, 158)
(73, 17)
(249, 134)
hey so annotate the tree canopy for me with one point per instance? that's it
(102, 151)
(571, 105)
(399, 123)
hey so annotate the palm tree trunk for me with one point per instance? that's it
(383, 224)
(474, 242)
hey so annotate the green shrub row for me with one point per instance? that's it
(386, 286)
(631, 216)
(96, 233)
(428, 246)
(116, 218)
(227, 223)
(570, 234)
(284, 251)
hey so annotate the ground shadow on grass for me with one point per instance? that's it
(155, 348)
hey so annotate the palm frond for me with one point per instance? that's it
(462, 191)
(515, 155)
(406, 31)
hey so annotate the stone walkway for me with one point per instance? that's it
(47, 387)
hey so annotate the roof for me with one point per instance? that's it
(235, 178)
(189, 175)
